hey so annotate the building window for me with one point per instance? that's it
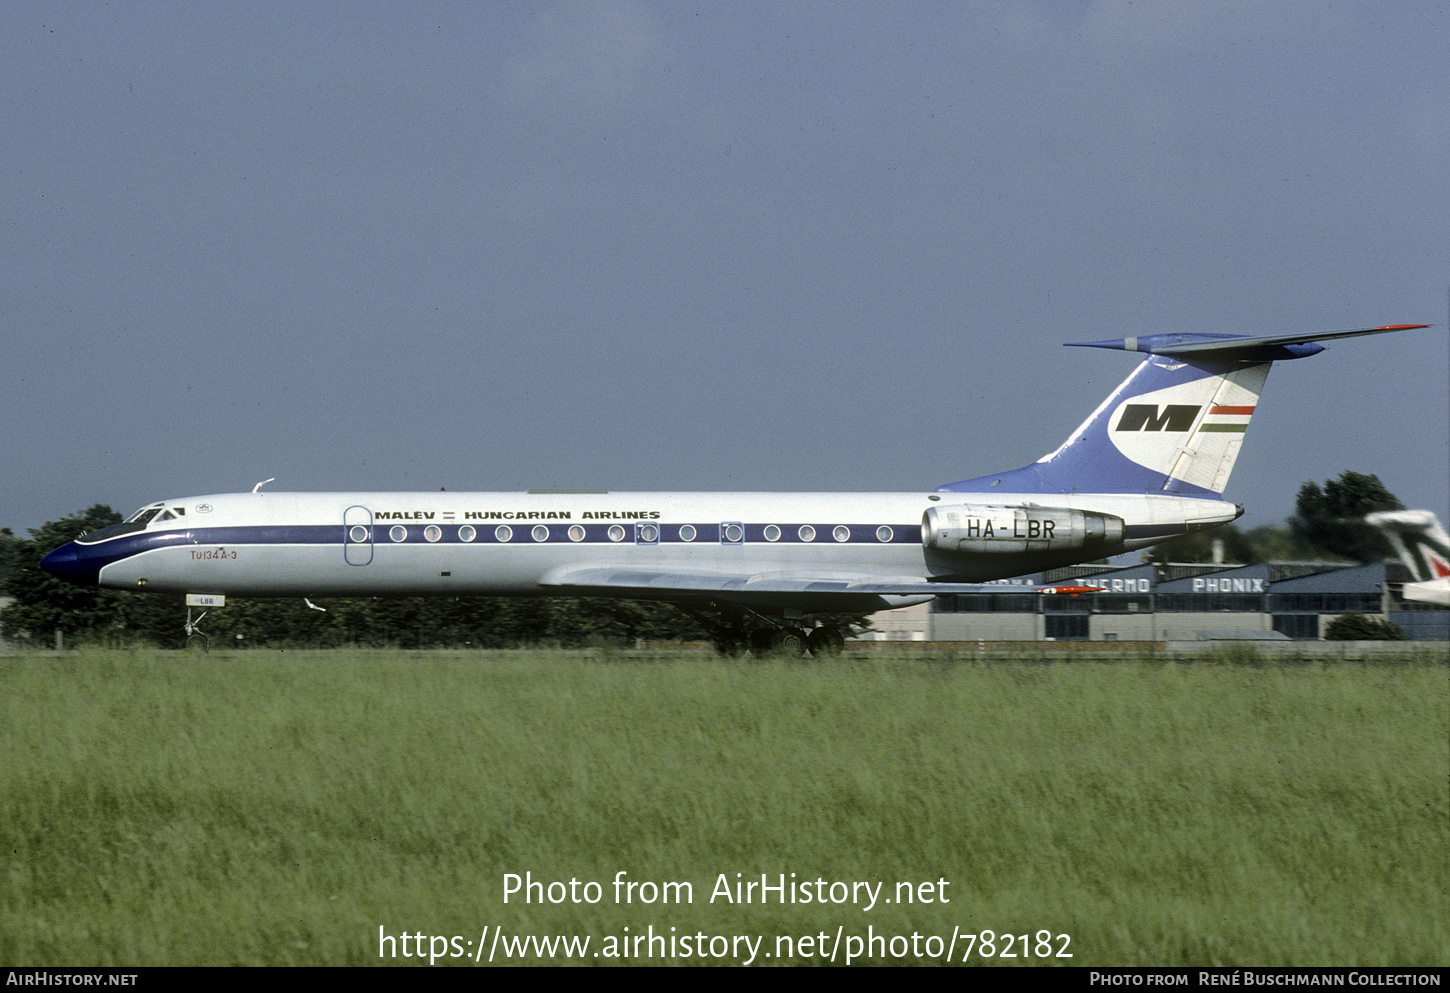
(1207, 603)
(1300, 627)
(1065, 627)
(1325, 603)
(986, 603)
(1119, 603)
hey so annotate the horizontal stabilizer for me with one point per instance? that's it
(1257, 348)
(1436, 591)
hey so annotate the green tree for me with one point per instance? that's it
(1199, 547)
(1331, 520)
(1276, 543)
(9, 552)
(44, 605)
(1362, 627)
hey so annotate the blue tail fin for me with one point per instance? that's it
(1175, 425)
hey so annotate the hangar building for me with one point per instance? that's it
(1173, 602)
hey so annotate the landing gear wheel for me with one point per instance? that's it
(826, 643)
(789, 642)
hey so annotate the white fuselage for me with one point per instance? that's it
(462, 544)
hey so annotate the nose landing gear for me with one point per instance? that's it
(196, 639)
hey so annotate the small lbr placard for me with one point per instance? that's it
(205, 600)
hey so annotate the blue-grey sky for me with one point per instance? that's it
(640, 245)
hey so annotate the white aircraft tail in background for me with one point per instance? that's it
(1422, 545)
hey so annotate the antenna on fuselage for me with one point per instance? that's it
(258, 487)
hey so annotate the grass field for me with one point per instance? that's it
(281, 808)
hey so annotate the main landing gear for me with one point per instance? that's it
(735, 630)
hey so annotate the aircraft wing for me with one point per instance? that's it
(616, 581)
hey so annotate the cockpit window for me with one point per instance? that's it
(148, 515)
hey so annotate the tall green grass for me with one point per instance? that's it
(279, 808)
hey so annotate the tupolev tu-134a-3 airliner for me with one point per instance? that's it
(758, 569)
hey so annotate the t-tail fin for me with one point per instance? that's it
(1175, 425)
(1418, 539)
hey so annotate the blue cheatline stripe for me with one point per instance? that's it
(705, 534)
(123, 547)
(520, 534)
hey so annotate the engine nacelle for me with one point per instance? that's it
(1008, 530)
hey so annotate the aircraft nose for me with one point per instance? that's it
(70, 563)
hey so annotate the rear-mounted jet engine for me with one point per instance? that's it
(1013, 530)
